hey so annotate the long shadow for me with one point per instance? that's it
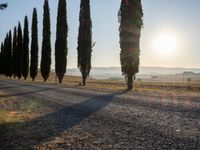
(55, 88)
(12, 87)
(58, 89)
(46, 127)
(27, 93)
(2, 84)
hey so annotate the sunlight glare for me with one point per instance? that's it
(165, 44)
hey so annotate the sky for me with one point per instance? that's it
(178, 19)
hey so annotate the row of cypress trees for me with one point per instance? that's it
(14, 55)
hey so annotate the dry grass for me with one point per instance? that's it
(12, 116)
(16, 110)
(74, 81)
(98, 84)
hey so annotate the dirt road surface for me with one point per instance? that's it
(65, 117)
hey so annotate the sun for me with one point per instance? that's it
(165, 44)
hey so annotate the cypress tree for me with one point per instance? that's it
(25, 53)
(19, 52)
(61, 41)
(6, 55)
(14, 65)
(84, 40)
(130, 18)
(1, 59)
(7, 48)
(46, 43)
(34, 46)
(9, 55)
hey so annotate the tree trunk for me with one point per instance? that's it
(130, 82)
(84, 81)
(83, 78)
(60, 78)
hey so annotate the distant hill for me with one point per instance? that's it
(188, 73)
(145, 72)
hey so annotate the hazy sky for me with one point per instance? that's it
(178, 18)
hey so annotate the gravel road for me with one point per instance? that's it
(79, 118)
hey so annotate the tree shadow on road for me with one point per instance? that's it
(26, 135)
(10, 87)
(26, 93)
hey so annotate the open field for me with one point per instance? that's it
(119, 84)
(102, 115)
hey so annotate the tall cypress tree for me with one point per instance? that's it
(130, 18)
(84, 40)
(34, 46)
(25, 53)
(1, 59)
(9, 55)
(14, 61)
(46, 43)
(19, 51)
(61, 41)
(6, 49)
(4, 55)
